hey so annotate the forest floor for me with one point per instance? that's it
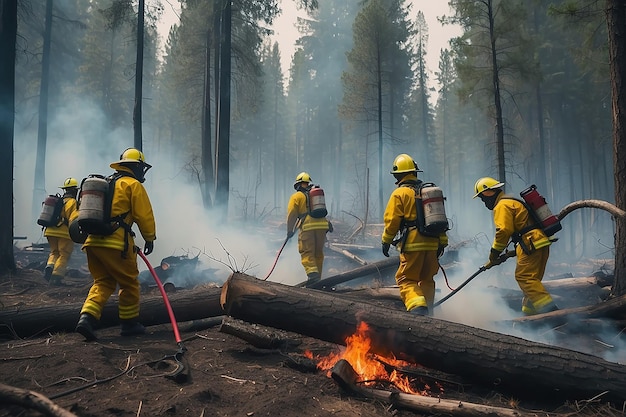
(223, 375)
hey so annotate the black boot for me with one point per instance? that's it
(85, 326)
(131, 328)
(419, 311)
(47, 272)
(313, 278)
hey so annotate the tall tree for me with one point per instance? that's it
(8, 36)
(222, 149)
(39, 189)
(616, 22)
(137, 111)
(370, 90)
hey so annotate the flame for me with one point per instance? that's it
(369, 366)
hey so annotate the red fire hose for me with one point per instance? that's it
(165, 299)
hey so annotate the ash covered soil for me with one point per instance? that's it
(223, 375)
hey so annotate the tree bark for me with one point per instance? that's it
(512, 364)
(8, 36)
(31, 400)
(616, 25)
(187, 305)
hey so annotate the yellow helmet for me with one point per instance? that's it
(486, 183)
(302, 177)
(134, 160)
(69, 183)
(131, 155)
(404, 164)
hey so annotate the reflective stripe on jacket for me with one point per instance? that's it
(401, 206)
(510, 216)
(130, 197)
(297, 208)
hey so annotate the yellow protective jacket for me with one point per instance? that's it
(130, 197)
(297, 208)
(401, 206)
(62, 231)
(510, 217)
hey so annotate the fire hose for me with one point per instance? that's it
(295, 226)
(502, 258)
(176, 357)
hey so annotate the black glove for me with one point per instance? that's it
(494, 258)
(440, 251)
(290, 234)
(148, 248)
(386, 247)
(330, 227)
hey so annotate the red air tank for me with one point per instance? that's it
(549, 222)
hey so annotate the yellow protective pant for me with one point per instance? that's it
(109, 270)
(415, 278)
(528, 274)
(60, 252)
(311, 248)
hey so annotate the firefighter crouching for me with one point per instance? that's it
(308, 214)
(418, 253)
(513, 222)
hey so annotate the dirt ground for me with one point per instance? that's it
(222, 376)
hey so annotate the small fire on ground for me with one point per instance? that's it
(372, 368)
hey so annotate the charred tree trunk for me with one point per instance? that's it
(187, 305)
(515, 365)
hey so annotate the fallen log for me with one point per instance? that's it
(508, 363)
(345, 376)
(261, 337)
(31, 400)
(347, 254)
(373, 268)
(187, 305)
(614, 308)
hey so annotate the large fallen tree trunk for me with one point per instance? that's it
(508, 363)
(187, 305)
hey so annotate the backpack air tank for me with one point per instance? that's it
(317, 202)
(435, 218)
(549, 223)
(48, 211)
(93, 193)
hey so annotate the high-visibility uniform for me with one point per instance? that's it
(311, 236)
(511, 217)
(61, 246)
(109, 262)
(418, 253)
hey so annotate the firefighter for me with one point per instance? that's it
(112, 259)
(312, 235)
(419, 254)
(61, 246)
(532, 246)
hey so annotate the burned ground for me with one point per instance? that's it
(223, 375)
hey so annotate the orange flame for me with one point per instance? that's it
(370, 367)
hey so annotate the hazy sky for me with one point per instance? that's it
(438, 35)
(286, 33)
